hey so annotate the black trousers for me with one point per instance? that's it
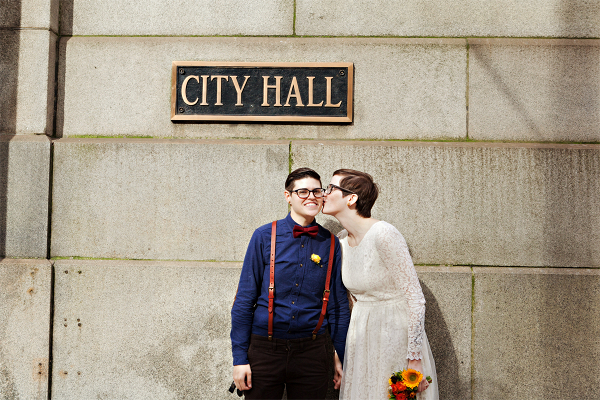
(299, 365)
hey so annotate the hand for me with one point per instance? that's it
(338, 372)
(242, 376)
(417, 365)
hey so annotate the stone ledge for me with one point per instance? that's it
(531, 204)
(535, 18)
(534, 90)
(531, 42)
(164, 199)
(424, 81)
(155, 17)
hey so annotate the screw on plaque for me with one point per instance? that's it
(181, 71)
(342, 73)
(181, 110)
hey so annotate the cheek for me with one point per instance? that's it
(331, 202)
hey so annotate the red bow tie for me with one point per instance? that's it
(299, 230)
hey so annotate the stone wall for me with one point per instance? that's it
(123, 233)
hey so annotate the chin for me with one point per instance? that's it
(315, 213)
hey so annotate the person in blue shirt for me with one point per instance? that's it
(293, 358)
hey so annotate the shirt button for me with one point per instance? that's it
(296, 284)
(302, 245)
(293, 317)
(301, 265)
(293, 302)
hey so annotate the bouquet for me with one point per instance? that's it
(404, 384)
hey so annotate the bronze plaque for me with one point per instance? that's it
(270, 92)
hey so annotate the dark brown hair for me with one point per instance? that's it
(362, 184)
(300, 173)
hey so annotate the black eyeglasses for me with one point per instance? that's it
(304, 193)
(331, 186)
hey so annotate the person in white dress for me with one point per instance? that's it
(387, 326)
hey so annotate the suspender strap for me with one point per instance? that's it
(326, 291)
(272, 279)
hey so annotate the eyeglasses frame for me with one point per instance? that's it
(337, 187)
(309, 192)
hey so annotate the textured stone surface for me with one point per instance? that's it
(29, 14)
(24, 328)
(27, 62)
(479, 203)
(403, 88)
(457, 18)
(142, 330)
(447, 293)
(24, 181)
(164, 199)
(10, 14)
(178, 17)
(155, 330)
(536, 90)
(542, 322)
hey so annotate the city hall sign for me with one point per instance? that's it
(267, 92)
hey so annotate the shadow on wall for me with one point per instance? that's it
(440, 341)
(10, 11)
(64, 34)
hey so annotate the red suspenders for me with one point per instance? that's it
(272, 283)
(272, 279)
(326, 291)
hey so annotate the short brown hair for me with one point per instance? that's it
(300, 173)
(363, 186)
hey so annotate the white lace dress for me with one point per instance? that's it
(387, 324)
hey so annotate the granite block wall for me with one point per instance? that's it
(479, 120)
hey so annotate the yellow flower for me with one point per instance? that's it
(411, 378)
(315, 258)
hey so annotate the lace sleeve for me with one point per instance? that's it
(396, 258)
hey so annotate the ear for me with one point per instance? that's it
(352, 199)
(287, 196)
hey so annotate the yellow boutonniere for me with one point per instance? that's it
(316, 259)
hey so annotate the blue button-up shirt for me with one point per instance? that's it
(299, 286)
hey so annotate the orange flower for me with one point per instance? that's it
(412, 395)
(411, 378)
(398, 387)
(401, 396)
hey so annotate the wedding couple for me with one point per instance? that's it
(292, 295)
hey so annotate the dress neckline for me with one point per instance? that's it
(364, 237)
